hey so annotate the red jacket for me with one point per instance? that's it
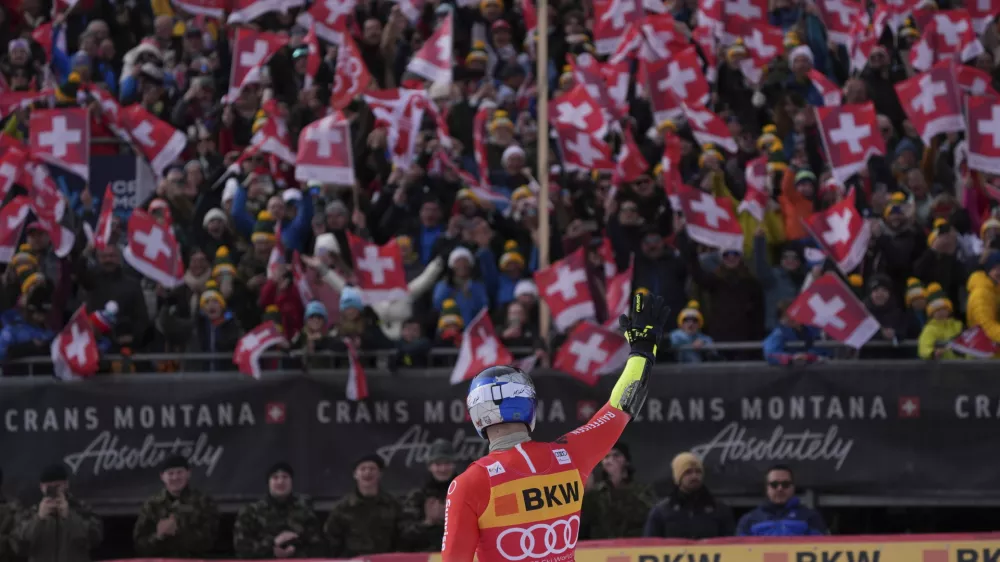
(289, 304)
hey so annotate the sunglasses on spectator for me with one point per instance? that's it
(783, 484)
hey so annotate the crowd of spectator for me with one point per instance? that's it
(181, 521)
(933, 260)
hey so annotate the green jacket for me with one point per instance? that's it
(259, 523)
(364, 525)
(56, 539)
(614, 513)
(197, 524)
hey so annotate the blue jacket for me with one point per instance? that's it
(499, 286)
(789, 520)
(469, 302)
(293, 232)
(62, 65)
(776, 350)
(679, 337)
(17, 337)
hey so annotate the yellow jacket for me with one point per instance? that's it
(981, 310)
(938, 331)
(774, 229)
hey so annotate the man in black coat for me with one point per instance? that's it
(690, 511)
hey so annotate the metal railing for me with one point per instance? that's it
(382, 361)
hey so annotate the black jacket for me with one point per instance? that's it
(690, 516)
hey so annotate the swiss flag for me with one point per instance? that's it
(401, 111)
(253, 344)
(611, 21)
(830, 91)
(975, 82)
(909, 407)
(710, 220)
(607, 83)
(105, 222)
(481, 348)
(842, 233)
(618, 295)
(931, 101)
(948, 36)
(62, 137)
(983, 118)
(379, 269)
(12, 217)
(709, 128)
(583, 151)
(839, 16)
(681, 75)
(49, 206)
(159, 142)
(74, 350)
(982, 13)
(754, 11)
(830, 305)
(209, 8)
(272, 137)
(434, 60)
(357, 382)
(324, 152)
(850, 137)
(153, 250)
(974, 343)
(11, 164)
(576, 109)
(860, 44)
(251, 50)
(589, 351)
(245, 11)
(351, 78)
(563, 286)
(664, 100)
(631, 163)
(757, 192)
(330, 19)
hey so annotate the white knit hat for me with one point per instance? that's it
(326, 242)
(459, 253)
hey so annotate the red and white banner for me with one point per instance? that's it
(839, 15)
(975, 343)
(826, 88)
(209, 8)
(11, 164)
(253, 344)
(329, 19)
(401, 111)
(481, 348)
(435, 59)
(932, 103)
(351, 78)
(842, 233)
(850, 137)
(631, 163)
(62, 137)
(757, 193)
(105, 221)
(710, 220)
(709, 128)
(590, 351)
(324, 153)
(379, 269)
(576, 109)
(357, 381)
(563, 286)
(974, 81)
(584, 152)
(618, 295)
(245, 11)
(251, 50)
(983, 117)
(159, 142)
(12, 218)
(949, 35)
(74, 351)
(830, 305)
(153, 251)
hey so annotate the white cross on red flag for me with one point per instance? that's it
(710, 220)
(577, 109)
(582, 151)
(251, 51)
(351, 77)
(842, 233)
(357, 381)
(757, 193)
(826, 88)
(839, 16)
(153, 251)
(830, 305)
(975, 82)
(631, 163)
(709, 128)
(324, 153)
(975, 343)
(11, 163)
(160, 144)
(12, 219)
(62, 137)
(949, 35)
(590, 351)
(74, 351)
(481, 348)
(850, 137)
(329, 18)
(401, 111)
(931, 101)
(618, 295)
(611, 21)
(253, 344)
(983, 118)
(209, 8)
(105, 222)
(563, 286)
(379, 269)
(434, 60)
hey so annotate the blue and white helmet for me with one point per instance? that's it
(501, 394)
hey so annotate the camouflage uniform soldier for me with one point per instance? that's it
(616, 507)
(178, 522)
(282, 525)
(367, 520)
(423, 511)
(9, 510)
(59, 528)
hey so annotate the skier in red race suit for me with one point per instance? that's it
(521, 502)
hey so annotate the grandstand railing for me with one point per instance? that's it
(381, 361)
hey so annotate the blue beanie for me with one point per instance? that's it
(350, 297)
(315, 308)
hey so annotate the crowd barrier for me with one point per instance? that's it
(874, 433)
(882, 548)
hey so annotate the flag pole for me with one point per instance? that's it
(542, 80)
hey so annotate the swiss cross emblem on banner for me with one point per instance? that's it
(842, 233)
(839, 16)
(160, 143)
(153, 250)
(583, 151)
(975, 343)
(481, 348)
(563, 286)
(757, 193)
(681, 76)
(709, 128)
(983, 116)
(754, 11)
(434, 60)
(251, 50)
(12, 217)
(850, 137)
(62, 137)
(74, 350)
(351, 77)
(577, 109)
(329, 18)
(931, 102)
(830, 305)
(379, 269)
(710, 220)
(589, 351)
(324, 153)
(949, 35)
(975, 82)
(255, 342)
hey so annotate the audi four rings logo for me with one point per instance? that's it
(539, 540)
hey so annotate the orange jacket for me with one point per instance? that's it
(794, 207)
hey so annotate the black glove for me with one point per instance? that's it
(644, 324)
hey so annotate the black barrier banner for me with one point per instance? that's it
(853, 428)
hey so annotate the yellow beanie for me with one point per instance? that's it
(683, 463)
(914, 290)
(938, 223)
(511, 254)
(937, 299)
(691, 311)
(211, 292)
(706, 151)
